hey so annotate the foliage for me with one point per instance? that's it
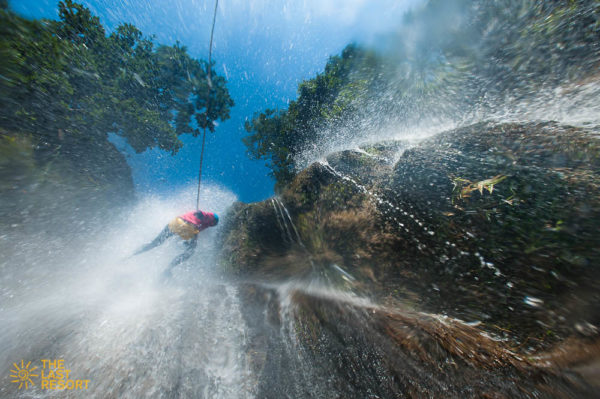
(68, 83)
(464, 187)
(279, 135)
(447, 56)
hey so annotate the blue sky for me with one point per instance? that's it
(264, 48)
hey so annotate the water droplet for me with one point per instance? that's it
(532, 301)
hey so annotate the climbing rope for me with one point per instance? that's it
(212, 31)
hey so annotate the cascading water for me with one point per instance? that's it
(116, 321)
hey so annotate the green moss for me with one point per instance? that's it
(311, 232)
(372, 150)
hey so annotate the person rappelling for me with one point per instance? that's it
(187, 227)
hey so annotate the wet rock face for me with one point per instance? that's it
(492, 223)
(322, 344)
(510, 211)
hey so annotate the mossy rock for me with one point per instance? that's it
(492, 222)
(499, 214)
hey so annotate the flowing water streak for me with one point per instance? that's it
(285, 233)
(285, 212)
(307, 380)
(331, 273)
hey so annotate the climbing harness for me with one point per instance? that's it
(212, 31)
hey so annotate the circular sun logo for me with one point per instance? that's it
(22, 375)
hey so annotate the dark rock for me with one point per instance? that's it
(491, 223)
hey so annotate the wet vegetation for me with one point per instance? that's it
(67, 84)
(448, 59)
